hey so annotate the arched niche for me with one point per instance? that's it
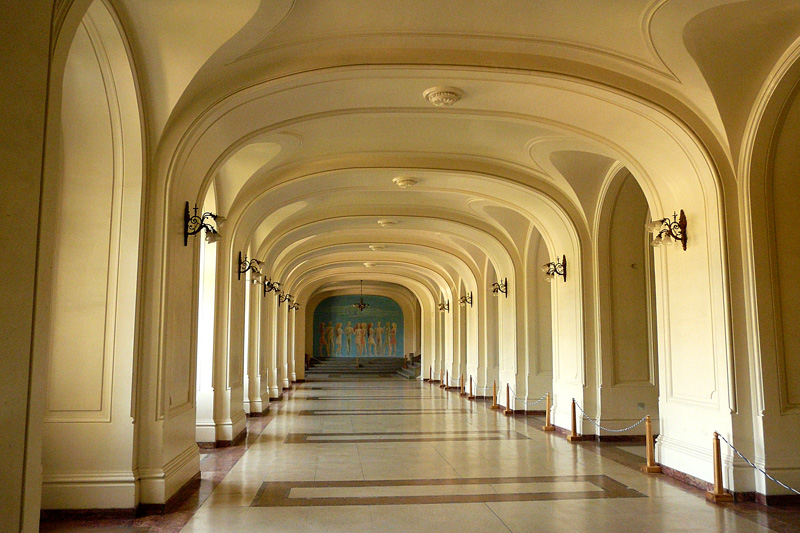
(628, 375)
(89, 272)
(770, 177)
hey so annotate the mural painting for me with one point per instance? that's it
(342, 330)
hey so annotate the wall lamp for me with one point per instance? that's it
(445, 306)
(555, 268)
(193, 224)
(252, 265)
(268, 284)
(500, 286)
(294, 306)
(284, 298)
(466, 299)
(668, 231)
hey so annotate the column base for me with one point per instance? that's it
(723, 497)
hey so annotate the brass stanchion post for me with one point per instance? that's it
(651, 467)
(574, 435)
(718, 495)
(508, 410)
(494, 395)
(430, 374)
(463, 387)
(471, 395)
(547, 425)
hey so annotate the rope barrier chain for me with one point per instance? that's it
(748, 461)
(606, 429)
(527, 402)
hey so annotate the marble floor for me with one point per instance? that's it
(366, 454)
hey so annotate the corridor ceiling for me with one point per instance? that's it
(301, 113)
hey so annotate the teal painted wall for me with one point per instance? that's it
(338, 328)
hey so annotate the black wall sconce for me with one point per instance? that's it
(270, 285)
(445, 306)
(294, 306)
(194, 224)
(245, 265)
(466, 299)
(668, 231)
(284, 298)
(500, 286)
(555, 268)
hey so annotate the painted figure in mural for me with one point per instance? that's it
(348, 338)
(329, 337)
(393, 340)
(371, 340)
(338, 340)
(379, 340)
(322, 342)
(359, 332)
(364, 338)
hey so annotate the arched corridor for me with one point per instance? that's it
(469, 192)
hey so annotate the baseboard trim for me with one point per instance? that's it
(777, 500)
(238, 439)
(175, 501)
(686, 478)
(635, 439)
(257, 414)
(61, 515)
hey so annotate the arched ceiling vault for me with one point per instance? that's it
(300, 113)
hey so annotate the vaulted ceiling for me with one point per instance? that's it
(302, 114)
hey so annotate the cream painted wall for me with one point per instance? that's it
(24, 28)
(89, 341)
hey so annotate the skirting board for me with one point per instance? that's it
(93, 490)
(157, 486)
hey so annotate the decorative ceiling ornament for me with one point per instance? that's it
(404, 183)
(376, 247)
(369, 265)
(387, 223)
(443, 96)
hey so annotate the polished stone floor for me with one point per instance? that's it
(367, 454)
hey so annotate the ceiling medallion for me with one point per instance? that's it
(404, 183)
(443, 96)
(387, 223)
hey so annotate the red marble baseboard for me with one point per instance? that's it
(777, 500)
(61, 515)
(636, 439)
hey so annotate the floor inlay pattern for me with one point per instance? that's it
(331, 457)
(401, 436)
(437, 491)
(378, 412)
